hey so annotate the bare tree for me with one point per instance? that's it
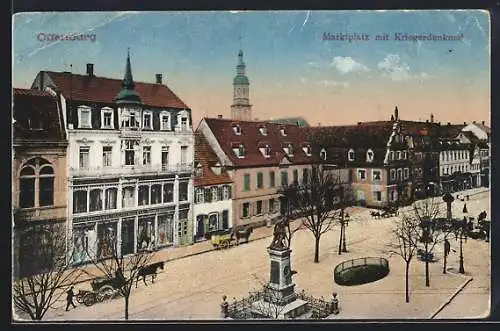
(314, 201)
(119, 271)
(406, 236)
(426, 212)
(45, 274)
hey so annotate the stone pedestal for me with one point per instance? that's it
(296, 309)
(280, 284)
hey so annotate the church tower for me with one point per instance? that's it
(241, 109)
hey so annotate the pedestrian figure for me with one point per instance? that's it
(447, 247)
(224, 307)
(69, 298)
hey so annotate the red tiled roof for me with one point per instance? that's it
(101, 89)
(252, 139)
(204, 155)
(36, 116)
(367, 135)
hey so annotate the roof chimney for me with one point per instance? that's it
(449, 123)
(359, 123)
(474, 122)
(396, 113)
(482, 122)
(432, 118)
(465, 123)
(90, 69)
(319, 123)
(219, 116)
(158, 78)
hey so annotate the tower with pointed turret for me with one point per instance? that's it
(241, 109)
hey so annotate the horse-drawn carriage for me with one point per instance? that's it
(388, 211)
(102, 289)
(226, 238)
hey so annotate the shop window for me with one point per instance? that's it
(143, 195)
(84, 243)
(168, 192)
(183, 191)
(165, 230)
(128, 199)
(155, 194)
(145, 234)
(79, 202)
(213, 222)
(110, 198)
(95, 200)
(127, 240)
(106, 239)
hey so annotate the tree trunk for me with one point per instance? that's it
(444, 264)
(126, 306)
(406, 282)
(427, 280)
(316, 250)
(427, 277)
(340, 239)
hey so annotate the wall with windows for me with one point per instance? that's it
(212, 209)
(40, 184)
(369, 186)
(106, 152)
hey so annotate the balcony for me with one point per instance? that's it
(157, 169)
(133, 132)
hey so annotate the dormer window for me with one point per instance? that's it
(307, 150)
(147, 120)
(107, 118)
(283, 132)
(237, 130)
(351, 155)
(288, 149)
(182, 121)
(322, 154)
(266, 151)
(369, 155)
(263, 130)
(84, 119)
(398, 155)
(164, 121)
(391, 155)
(405, 155)
(239, 150)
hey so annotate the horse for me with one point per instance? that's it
(482, 216)
(148, 270)
(243, 233)
(375, 214)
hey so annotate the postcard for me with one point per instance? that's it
(251, 165)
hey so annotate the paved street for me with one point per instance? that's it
(192, 287)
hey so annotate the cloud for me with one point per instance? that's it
(313, 65)
(333, 83)
(393, 67)
(346, 65)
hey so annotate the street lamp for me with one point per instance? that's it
(462, 228)
(345, 223)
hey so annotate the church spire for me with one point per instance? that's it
(241, 108)
(128, 93)
(128, 81)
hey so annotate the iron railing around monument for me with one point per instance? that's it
(360, 262)
(243, 308)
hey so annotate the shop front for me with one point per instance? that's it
(99, 237)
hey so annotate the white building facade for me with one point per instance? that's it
(130, 166)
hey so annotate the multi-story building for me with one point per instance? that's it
(454, 165)
(259, 157)
(130, 162)
(483, 133)
(479, 160)
(39, 178)
(212, 192)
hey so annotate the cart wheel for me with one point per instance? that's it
(105, 293)
(224, 244)
(89, 299)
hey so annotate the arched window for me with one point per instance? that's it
(322, 154)
(36, 184)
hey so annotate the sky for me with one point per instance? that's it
(292, 70)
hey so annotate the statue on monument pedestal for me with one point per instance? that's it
(280, 238)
